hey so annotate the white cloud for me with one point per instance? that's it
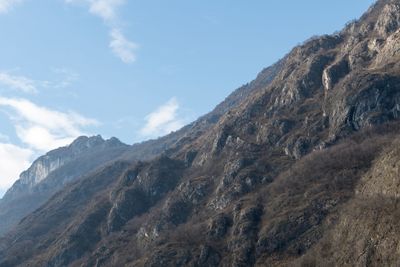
(43, 129)
(122, 47)
(163, 120)
(40, 129)
(14, 160)
(105, 9)
(6, 5)
(27, 85)
(41, 138)
(19, 83)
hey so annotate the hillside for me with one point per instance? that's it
(51, 172)
(297, 168)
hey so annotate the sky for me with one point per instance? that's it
(135, 69)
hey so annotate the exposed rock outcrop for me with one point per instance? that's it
(52, 172)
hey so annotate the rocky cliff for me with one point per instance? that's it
(53, 171)
(297, 168)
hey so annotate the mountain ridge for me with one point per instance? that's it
(49, 173)
(281, 177)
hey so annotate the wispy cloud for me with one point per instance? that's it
(7, 5)
(43, 129)
(19, 83)
(120, 45)
(106, 9)
(163, 120)
(68, 77)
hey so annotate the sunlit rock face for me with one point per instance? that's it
(52, 161)
(51, 172)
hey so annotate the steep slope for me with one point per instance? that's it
(299, 170)
(366, 229)
(176, 140)
(51, 172)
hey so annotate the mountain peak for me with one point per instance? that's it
(85, 141)
(52, 171)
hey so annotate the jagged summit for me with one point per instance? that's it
(85, 141)
(54, 159)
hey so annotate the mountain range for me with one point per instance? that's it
(299, 167)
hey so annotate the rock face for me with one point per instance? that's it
(51, 172)
(297, 168)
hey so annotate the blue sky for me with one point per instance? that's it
(135, 69)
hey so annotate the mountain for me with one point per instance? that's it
(51, 172)
(297, 168)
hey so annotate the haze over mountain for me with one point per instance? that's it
(299, 167)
